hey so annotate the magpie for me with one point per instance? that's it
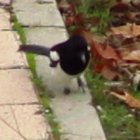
(72, 55)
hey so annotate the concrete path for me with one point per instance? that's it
(18, 100)
(43, 25)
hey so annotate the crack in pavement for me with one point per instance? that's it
(17, 129)
(43, 26)
(12, 128)
(15, 119)
(14, 104)
(13, 67)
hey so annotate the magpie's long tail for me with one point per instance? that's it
(35, 49)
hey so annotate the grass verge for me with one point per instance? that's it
(117, 120)
(43, 98)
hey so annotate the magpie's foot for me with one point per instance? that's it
(81, 84)
(51, 95)
(67, 91)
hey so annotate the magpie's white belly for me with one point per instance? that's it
(54, 78)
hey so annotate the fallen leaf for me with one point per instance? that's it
(120, 7)
(108, 73)
(104, 60)
(135, 29)
(127, 98)
(105, 51)
(69, 21)
(136, 79)
(125, 30)
(65, 7)
(135, 4)
(133, 56)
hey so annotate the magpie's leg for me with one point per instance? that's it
(81, 84)
(67, 90)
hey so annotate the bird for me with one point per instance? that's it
(72, 55)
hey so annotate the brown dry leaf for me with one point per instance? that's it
(136, 30)
(136, 79)
(108, 73)
(128, 30)
(65, 7)
(133, 56)
(127, 98)
(123, 12)
(70, 20)
(125, 30)
(119, 7)
(76, 19)
(135, 4)
(104, 60)
(107, 52)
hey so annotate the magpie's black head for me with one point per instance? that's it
(74, 55)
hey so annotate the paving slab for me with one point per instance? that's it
(4, 20)
(16, 87)
(7, 124)
(7, 133)
(31, 13)
(78, 118)
(18, 99)
(79, 137)
(20, 122)
(45, 36)
(31, 125)
(9, 50)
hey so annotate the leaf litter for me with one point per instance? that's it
(116, 55)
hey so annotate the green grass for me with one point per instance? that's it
(117, 121)
(96, 8)
(104, 20)
(42, 92)
(18, 28)
(30, 57)
(85, 6)
(48, 112)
